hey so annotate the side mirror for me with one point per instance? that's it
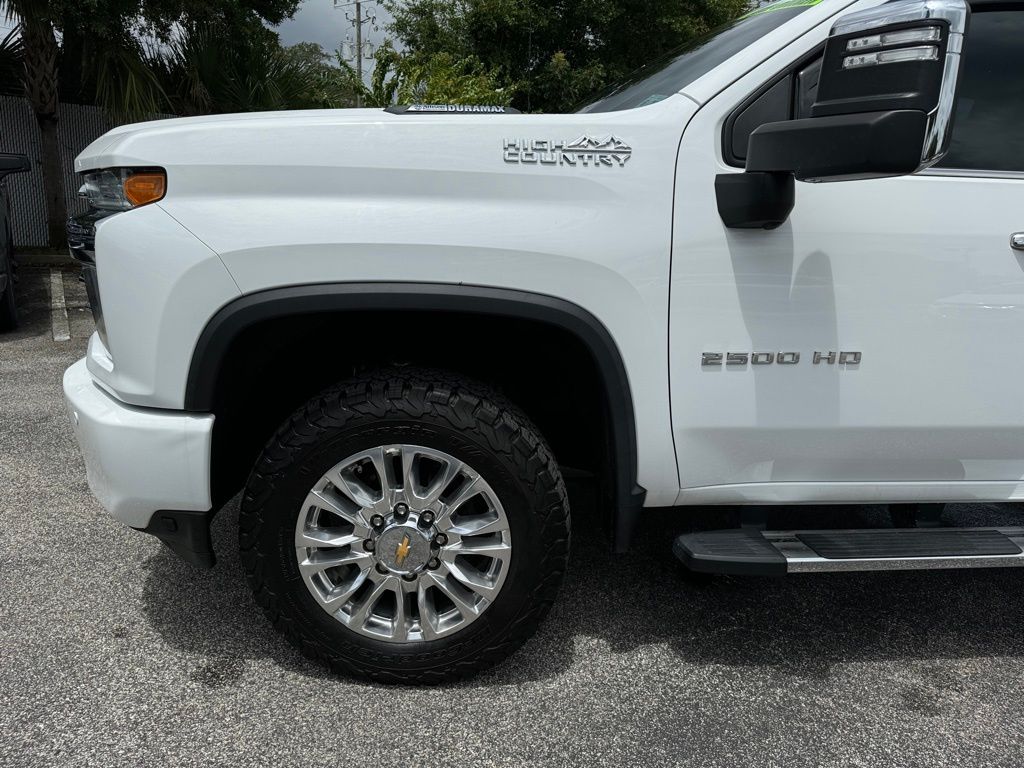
(884, 107)
(13, 164)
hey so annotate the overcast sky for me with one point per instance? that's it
(317, 21)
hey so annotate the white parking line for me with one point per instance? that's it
(58, 307)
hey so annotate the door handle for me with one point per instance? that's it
(1017, 241)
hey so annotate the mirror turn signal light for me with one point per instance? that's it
(146, 187)
(898, 37)
(896, 56)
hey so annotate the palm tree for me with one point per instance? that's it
(39, 54)
(116, 72)
(201, 75)
(197, 69)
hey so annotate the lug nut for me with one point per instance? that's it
(440, 540)
(401, 510)
(427, 518)
(381, 568)
(433, 564)
(377, 521)
(409, 576)
(368, 545)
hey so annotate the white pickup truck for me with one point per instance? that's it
(395, 328)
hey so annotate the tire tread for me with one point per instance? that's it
(464, 405)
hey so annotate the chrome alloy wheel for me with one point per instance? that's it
(403, 543)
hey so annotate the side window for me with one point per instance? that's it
(988, 128)
(785, 98)
(806, 89)
(771, 106)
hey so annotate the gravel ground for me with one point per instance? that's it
(115, 653)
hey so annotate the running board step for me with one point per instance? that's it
(745, 551)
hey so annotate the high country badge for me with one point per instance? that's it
(585, 151)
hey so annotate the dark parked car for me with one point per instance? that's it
(9, 164)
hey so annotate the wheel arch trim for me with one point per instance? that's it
(247, 310)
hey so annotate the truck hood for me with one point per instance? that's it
(365, 138)
(98, 155)
(356, 184)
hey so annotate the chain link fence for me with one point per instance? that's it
(78, 126)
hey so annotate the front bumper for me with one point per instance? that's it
(139, 460)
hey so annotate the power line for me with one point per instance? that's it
(357, 19)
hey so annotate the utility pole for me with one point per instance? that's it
(357, 20)
(359, 48)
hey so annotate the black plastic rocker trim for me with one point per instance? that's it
(232, 319)
(186, 533)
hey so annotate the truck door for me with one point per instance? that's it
(870, 348)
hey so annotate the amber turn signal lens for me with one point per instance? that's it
(142, 188)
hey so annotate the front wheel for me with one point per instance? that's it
(407, 526)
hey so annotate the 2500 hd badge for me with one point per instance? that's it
(780, 358)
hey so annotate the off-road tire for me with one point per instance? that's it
(425, 407)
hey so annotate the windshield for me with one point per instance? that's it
(670, 74)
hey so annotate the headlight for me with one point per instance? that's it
(119, 189)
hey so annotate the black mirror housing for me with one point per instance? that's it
(754, 200)
(885, 100)
(880, 67)
(840, 147)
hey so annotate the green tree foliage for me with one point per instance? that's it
(197, 74)
(552, 54)
(107, 40)
(438, 79)
(325, 85)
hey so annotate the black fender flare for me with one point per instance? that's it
(260, 306)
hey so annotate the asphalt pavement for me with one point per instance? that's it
(115, 653)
